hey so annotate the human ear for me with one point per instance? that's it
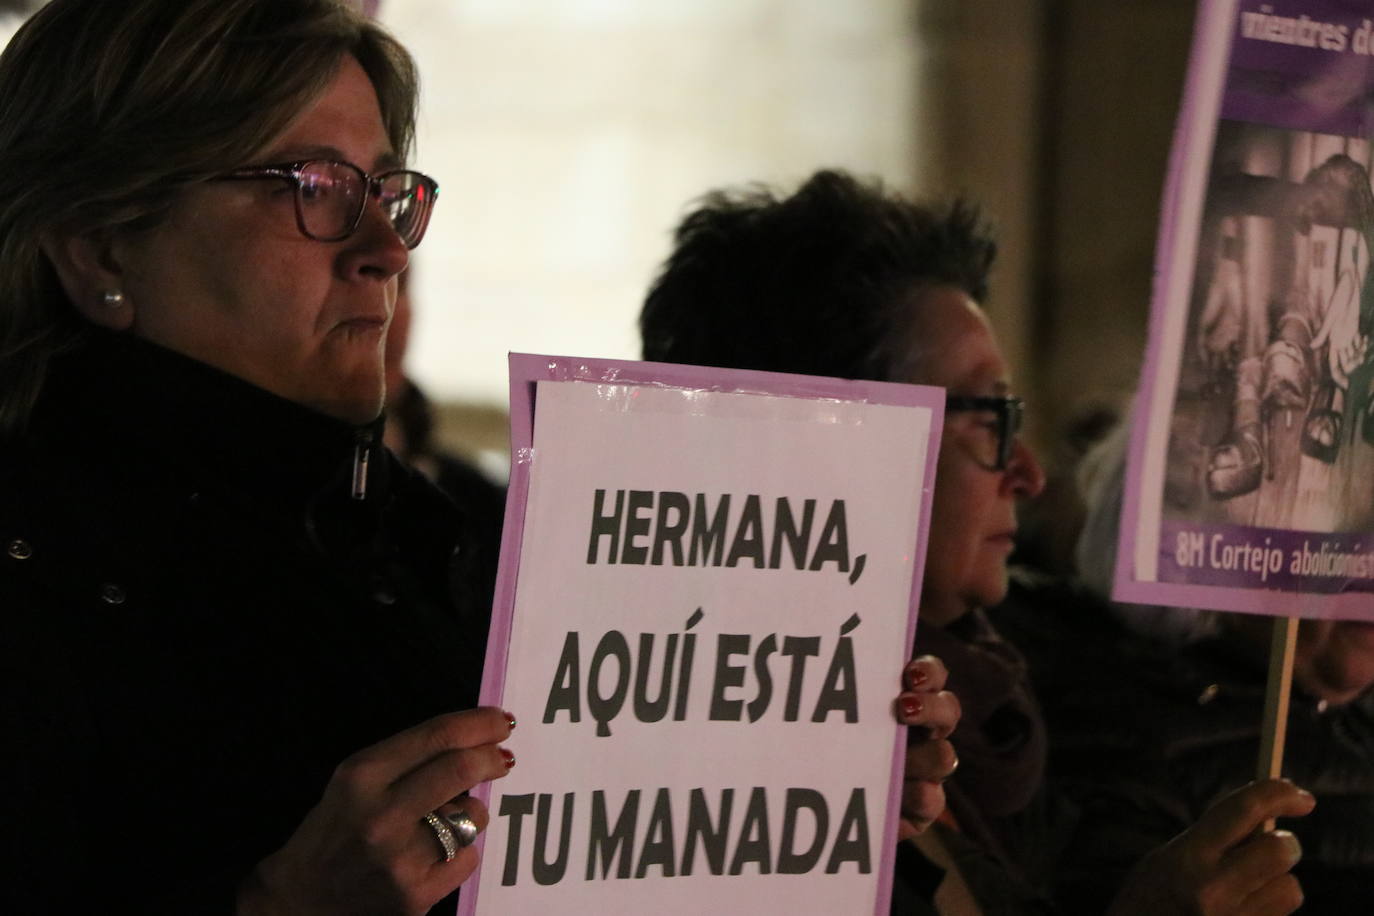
(90, 276)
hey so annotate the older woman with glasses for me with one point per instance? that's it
(239, 636)
(841, 278)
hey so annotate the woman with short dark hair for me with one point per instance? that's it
(843, 278)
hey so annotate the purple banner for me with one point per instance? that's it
(1267, 558)
(1303, 65)
(1250, 482)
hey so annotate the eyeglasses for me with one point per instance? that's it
(1008, 411)
(331, 196)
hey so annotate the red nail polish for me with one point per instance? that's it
(911, 707)
(917, 674)
(510, 720)
(507, 756)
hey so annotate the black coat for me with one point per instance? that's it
(1143, 740)
(200, 623)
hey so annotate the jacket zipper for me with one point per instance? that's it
(362, 454)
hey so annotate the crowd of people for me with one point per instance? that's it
(246, 599)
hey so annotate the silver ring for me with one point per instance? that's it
(443, 835)
(464, 828)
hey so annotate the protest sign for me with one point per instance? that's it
(708, 589)
(1251, 481)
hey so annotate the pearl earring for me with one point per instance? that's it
(113, 298)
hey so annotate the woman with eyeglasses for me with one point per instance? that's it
(241, 642)
(842, 278)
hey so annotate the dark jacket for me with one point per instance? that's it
(200, 623)
(1001, 826)
(1144, 740)
(1006, 827)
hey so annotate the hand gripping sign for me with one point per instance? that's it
(708, 590)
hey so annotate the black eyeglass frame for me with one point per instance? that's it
(1009, 411)
(372, 185)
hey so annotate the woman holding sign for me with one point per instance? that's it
(235, 662)
(1195, 683)
(842, 279)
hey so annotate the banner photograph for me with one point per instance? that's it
(1252, 473)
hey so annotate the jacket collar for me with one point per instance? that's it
(153, 412)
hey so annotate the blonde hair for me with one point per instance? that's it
(109, 108)
(1102, 483)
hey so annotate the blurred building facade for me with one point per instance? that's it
(576, 133)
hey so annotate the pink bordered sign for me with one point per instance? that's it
(708, 589)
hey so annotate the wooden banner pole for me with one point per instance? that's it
(1275, 726)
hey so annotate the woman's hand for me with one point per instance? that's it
(1342, 330)
(366, 848)
(932, 712)
(1222, 865)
